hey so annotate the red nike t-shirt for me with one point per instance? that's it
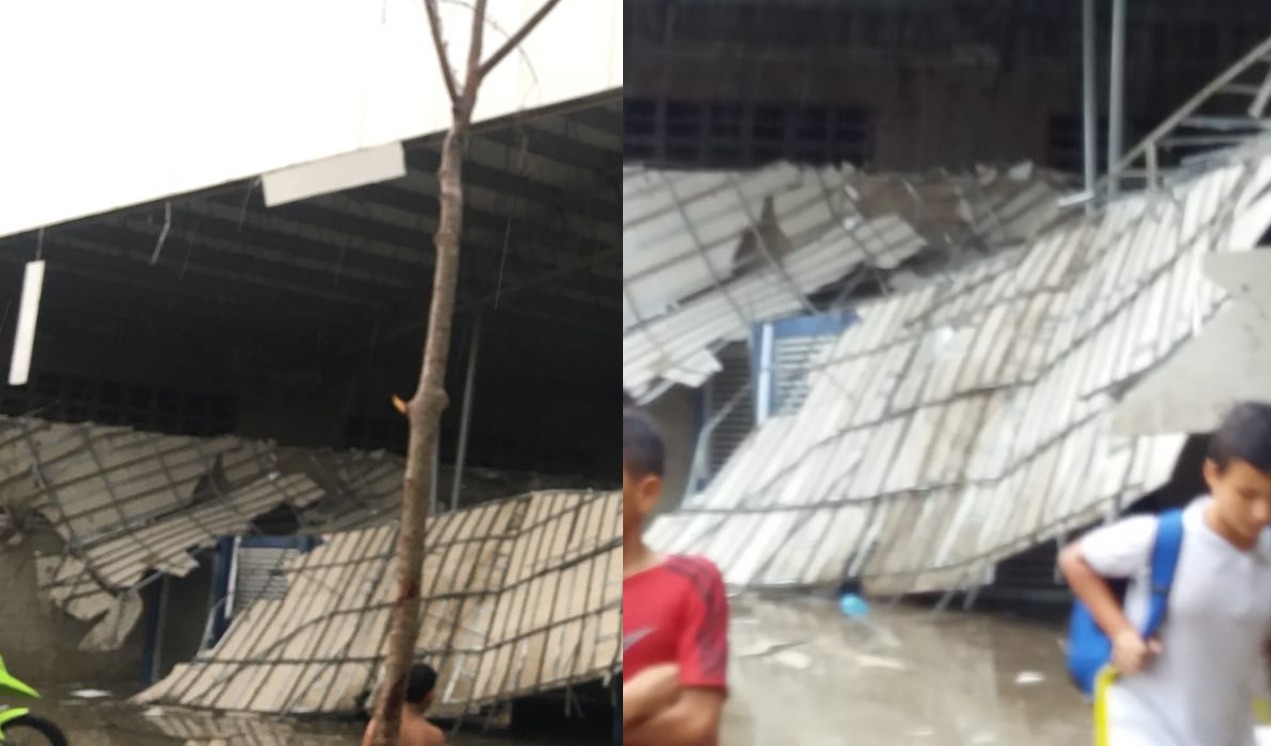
(677, 612)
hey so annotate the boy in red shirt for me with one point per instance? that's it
(674, 616)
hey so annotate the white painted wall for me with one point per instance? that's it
(109, 104)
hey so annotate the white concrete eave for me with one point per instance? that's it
(133, 101)
(1225, 363)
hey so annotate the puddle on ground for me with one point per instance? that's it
(805, 675)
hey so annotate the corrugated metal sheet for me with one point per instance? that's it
(86, 581)
(365, 489)
(706, 255)
(660, 348)
(90, 480)
(960, 423)
(523, 595)
(128, 503)
(681, 231)
(520, 596)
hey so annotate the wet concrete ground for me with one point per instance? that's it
(803, 674)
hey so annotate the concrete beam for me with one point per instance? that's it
(1228, 362)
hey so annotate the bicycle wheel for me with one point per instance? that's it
(30, 730)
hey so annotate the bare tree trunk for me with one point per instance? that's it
(424, 412)
(425, 408)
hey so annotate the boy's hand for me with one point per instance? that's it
(1131, 653)
(1266, 665)
(653, 690)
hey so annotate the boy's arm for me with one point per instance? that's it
(1120, 550)
(692, 721)
(694, 718)
(652, 691)
(1094, 592)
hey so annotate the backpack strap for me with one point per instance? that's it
(1165, 551)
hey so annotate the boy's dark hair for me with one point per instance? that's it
(1244, 435)
(642, 451)
(420, 682)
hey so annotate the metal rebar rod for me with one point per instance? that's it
(1116, 95)
(1089, 97)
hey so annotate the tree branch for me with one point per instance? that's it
(467, 5)
(473, 73)
(515, 39)
(439, 43)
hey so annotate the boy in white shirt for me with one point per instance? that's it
(1194, 684)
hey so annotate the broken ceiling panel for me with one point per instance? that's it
(682, 231)
(520, 596)
(129, 503)
(362, 489)
(89, 480)
(969, 419)
(85, 582)
(1005, 208)
(675, 341)
(707, 255)
(112, 630)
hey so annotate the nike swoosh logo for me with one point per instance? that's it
(631, 640)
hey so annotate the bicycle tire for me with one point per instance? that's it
(46, 728)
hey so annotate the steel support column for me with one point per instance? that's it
(1116, 95)
(465, 422)
(1089, 97)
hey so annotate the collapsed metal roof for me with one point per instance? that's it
(964, 421)
(521, 596)
(128, 504)
(707, 255)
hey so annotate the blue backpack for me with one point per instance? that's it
(1089, 649)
